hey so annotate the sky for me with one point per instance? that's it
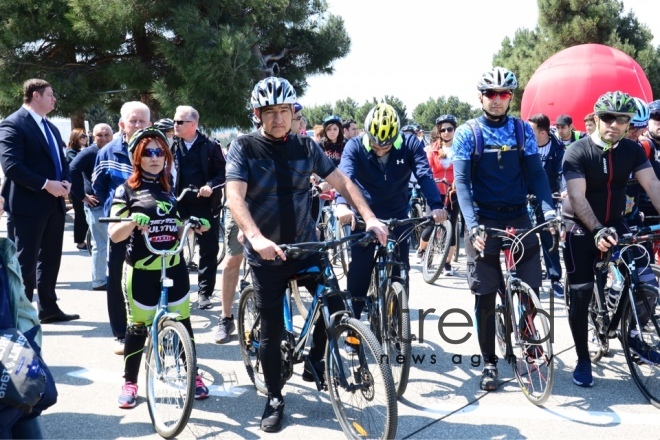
(420, 49)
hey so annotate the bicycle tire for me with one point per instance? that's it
(368, 407)
(222, 246)
(598, 345)
(249, 328)
(416, 236)
(190, 254)
(345, 249)
(437, 252)
(171, 394)
(533, 360)
(645, 374)
(458, 232)
(88, 241)
(656, 272)
(502, 324)
(397, 345)
(371, 305)
(302, 297)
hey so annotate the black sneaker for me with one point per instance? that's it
(489, 378)
(225, 328)
(271, 421)
(319, 367)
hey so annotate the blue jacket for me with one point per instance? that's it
(112, 168)
(386, 190)
(552, 164)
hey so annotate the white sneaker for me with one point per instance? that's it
(119, 347)
(420, 257)
(448, 271)
(204, 302)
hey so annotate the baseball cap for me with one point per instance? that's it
(564, 120)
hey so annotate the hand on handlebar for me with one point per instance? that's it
(200, 225)
(345, 215)
(477, 237)
(141, 221)
(267, 249)
(379, 230)
(439, 215)
(605, 238)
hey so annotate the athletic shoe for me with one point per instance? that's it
(420, 256)
(643, 350)
(319, 367)
(119, 346)
(204, 302)
(582, 376)
(225, 328)
(448, 271)
(201, 391)
(558, 289)
(128, 397)
(271, 420)
(489, 378)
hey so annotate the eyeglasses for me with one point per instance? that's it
(447, 130)
(181, 122)
(83, 136)
(153, 152)
(609, 118)
(491, 94)
(655, 116)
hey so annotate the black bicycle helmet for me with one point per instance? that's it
(164, 125)
(447, 118)
(149, 132)
(410, 128)
(333, 119)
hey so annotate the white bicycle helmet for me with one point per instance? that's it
(497, 78)
(642, 115)
(272, 91)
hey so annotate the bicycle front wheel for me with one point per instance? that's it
(366, 404)
(222, 246)
(437, 251)
(249, 331)
(641, 345)
(532, 360)
(190, 254)
(171, 390)
(458, 232)
(397, 340)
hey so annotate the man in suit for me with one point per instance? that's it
(200, 162)
(37, 180)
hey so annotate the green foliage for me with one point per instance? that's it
(350, 109)
(427, 112)
(566, 23)
(204, 53)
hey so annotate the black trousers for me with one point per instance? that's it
(39, 252)
(79, 221)
(115, 295)
(208, 245)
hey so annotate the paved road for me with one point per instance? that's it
(443, 399)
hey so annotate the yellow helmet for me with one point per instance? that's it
(382, 125)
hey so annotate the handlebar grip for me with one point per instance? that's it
(114, 219)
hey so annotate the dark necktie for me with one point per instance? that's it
(53, 150)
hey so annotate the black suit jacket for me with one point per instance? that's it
(27, 163)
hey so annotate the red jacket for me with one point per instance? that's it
(440, 172)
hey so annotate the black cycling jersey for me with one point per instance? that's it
(606, 173)
(151, 199)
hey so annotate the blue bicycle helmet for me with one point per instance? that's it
(447, 118)
(333, 119)
(654, 107)
(642, 115)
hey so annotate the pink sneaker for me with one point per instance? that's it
(201, 391)
(128, 397)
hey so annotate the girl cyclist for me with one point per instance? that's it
(147, 198)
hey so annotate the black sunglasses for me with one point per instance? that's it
(181, 122)
(153, 152)
(608, 118)
(447, 130)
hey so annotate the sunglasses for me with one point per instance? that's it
(181, 122)
(491, 94)
(447, 130)
(608, 118)
(655, 116)
(153, 152)
(83, 136)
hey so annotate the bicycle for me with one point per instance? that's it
(190, 251)
(331, 228)
(171, 363)
(355, 373)
(416, 210)
(522, 327)
(618, 295)
(387, 302)
(437, 249)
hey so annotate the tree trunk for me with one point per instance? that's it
(78, 119)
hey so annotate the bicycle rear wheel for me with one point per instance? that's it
(88, 241)
(437, 251)
(302, 297)
(249, 330)
(367, 407)
(222, 246)
(345, 249)
(458, 232)
(190, 252)
(171, 392)
(397, 344)
(598, 345)
(532, 361)
(416, 236)
(640, 346)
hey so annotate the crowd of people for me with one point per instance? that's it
(485, 168)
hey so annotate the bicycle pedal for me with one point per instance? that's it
(413, 337)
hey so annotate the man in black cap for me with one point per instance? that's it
(566, 132)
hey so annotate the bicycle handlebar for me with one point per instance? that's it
(192, 222)
(296, 249)
(190, 189)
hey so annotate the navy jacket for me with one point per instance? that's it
(386, 190)
(112, 168)
(82, 169)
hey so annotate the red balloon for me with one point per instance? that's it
(571, 81)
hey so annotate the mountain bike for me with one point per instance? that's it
(170, 359)
(416, 210)
(619, 302)
(359, 382)
(522, 327)
(387, 301)
(330, 227)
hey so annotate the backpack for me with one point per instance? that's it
(648, 148)
(479, 142)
